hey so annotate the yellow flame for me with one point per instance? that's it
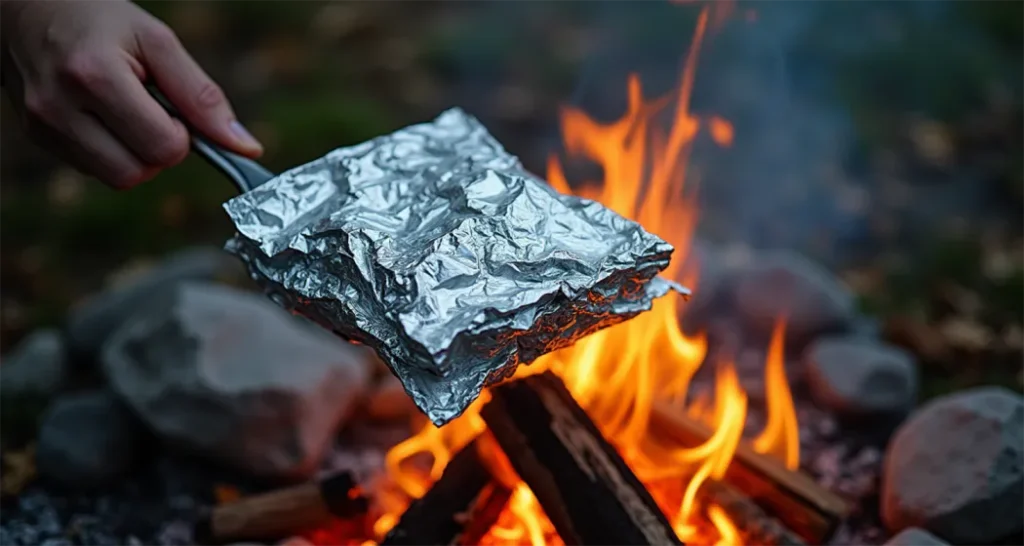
(780, 436)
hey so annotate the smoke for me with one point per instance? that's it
(844, 111)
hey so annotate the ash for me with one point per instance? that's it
(847, 463)
(156, 506)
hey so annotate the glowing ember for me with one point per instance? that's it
(618, 373)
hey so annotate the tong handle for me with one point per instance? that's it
(244, 172)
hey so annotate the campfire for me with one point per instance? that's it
(604, 442)
(631, 380)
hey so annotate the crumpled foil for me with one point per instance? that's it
(436, 248)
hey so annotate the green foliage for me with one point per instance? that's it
(308, 126)
(106, 223)
(1000, 21)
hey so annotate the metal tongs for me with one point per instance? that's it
(245, 173)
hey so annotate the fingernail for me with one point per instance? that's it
(244, 136)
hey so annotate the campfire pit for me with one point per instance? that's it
(603, 442)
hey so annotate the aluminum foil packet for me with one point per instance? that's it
(435, 247)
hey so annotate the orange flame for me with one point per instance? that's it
(617, 374)
(780, 436)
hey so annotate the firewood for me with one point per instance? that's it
(810, 510)
(755, 526)
(459, 509)
(283, 512)
(587, 491)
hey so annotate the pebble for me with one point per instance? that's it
(88, 440)
(914, 536)
(35, 366)
(956, 468)
(857, 377)
(228, 375)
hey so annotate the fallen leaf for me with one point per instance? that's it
(916, 335)
(1013, 337)
(965, 333)
(19, 470)
(932, 141)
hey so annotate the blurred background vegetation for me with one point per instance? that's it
(918, 205)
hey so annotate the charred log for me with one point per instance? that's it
(808, 509)
(459, 509)
(587, 491)
(754, 524)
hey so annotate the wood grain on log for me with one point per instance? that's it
(808, 509)
(755, 526)
(587, 491)
(283, 512)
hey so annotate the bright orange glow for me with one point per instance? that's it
(721, 131)
(619, 373)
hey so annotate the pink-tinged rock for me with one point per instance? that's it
(787, 284)
(956, 468)
(228, 375)
(710, 288)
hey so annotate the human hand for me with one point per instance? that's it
(75, 71)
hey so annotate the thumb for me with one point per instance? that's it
(198, 98)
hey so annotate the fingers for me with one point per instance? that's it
(83, 141)
(117, 97)
(198, 98)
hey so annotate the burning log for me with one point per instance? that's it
(459, 509)
(284, 512)
(755, 526)
(588, 492)
(810, 510)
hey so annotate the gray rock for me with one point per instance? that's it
(710, 287)
(90, 323)
(867, 328)
(915, 537)
(36, 366)
(176, 533)
(87, 440)
(855, 377)
(787, 284)
(229, 375)
(956, 468)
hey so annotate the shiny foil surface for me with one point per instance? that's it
(433, 246)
